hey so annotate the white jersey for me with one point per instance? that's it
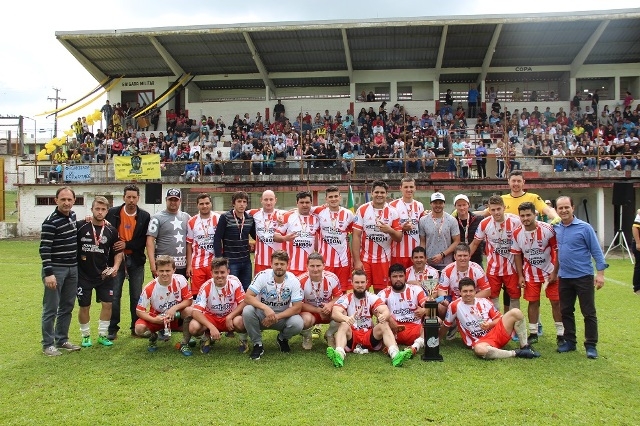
(321, 292)
(219, 301)
(403, 305)
(277, 296)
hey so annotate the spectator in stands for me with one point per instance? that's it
(257, 162)
(628, 157)
(513, 135)
(207, 169)
(529, 147)
(628, 100)
(499, 154)
(371, 97)
(429, 160)
(75, 157)
(192, 171)
(559, 159)
(517, 95)
(481, 160)
(472, 99)
(452, 166)
(55, 172)
(348, 160)
(279, 111)
(590, 159)
(448, 103)
(513, 162)
(101, 153)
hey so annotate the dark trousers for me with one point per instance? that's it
(482, 168)
(57, 306)
(135, 277)
(583, 289)
(636, 267)
(241, 268)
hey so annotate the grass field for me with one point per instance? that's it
(10, 206)
(125, 384)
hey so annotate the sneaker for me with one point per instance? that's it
(335, 357)
(307, 341)
(592, 352)
(193, 342)
(527, 352)
(51, 351)
(451, 334)
(401, 357)
(69, 347)
(257, 352)
(205, 344)
(185, 349)
(540, 329)
(163, 337)
(283, 344)
(566, 346)
(331, 341)
(533, 338)
(112, 336)
(86, 342)
(243, 347)
(104, 341)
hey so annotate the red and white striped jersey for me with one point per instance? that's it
(159, 298)
(498, 238)
(410, 239)
(319, 293)
(404, 304)
(306, 230)
(200, 235)
(427, 278)
(450, 278)
(219, 301)
(538, 248)
(266, 225)
(375, 245)
(470, 317)
(334, 228)
(361, 309)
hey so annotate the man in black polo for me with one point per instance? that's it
(131, 222)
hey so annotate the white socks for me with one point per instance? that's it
(493, 353)
(85, 329)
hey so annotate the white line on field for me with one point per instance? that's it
(607, 279)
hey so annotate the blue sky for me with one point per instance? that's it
(35, 62)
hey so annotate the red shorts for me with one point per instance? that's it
(259, 268)
(510, 282)
(344, 275)
(497, 337)
(198, 277)
(219, 322)
(153, 327)
(532, 292)
(318, 318)
(404, 261)
(410, 333)
(377, 274)
(363, 338)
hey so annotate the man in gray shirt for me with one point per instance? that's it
(167, 234)
(439, 233)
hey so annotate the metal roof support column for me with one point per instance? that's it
(259, 64)
(586, 49)
(443, 42)
(347, 54)
(168, 58)
(488, 56)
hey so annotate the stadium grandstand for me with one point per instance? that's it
(456, 102)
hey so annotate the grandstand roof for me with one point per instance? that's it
(317, 53)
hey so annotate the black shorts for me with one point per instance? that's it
(104, 291)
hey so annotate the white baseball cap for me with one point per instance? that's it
(437, 196)
(461, 197)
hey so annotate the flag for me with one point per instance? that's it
(366, 196)
(351, 205)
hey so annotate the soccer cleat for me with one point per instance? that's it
(539, 329)
(51, 351)
(205, 345)
(243, 347)
(257, 352)
(86, 342)
(335, 357)
(104, 341)
(68, 346)
(153, 339)
(451, 334)
(192, 342)
(307, 341)
(566, 346)
(592, 352)
(533, 338)
(185, 349)
(401, 357)
(527, 352)
(112, 336)
(283, 344)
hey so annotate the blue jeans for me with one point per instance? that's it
(57, 306)
(136, 276)
(241, 268)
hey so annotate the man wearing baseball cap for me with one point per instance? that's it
(167, 233)
(467, 224)
(439, 233)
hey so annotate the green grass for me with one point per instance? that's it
(10, 207)
(125, 384)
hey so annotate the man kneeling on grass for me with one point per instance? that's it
(483, 328)
(218, 306)
(167, 298)
(354, 312)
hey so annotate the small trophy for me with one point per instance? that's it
(431, 330)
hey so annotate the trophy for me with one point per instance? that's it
(431, 331)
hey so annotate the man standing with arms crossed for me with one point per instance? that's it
(534, 248)
(266, 220)
(96, 240)
(58, 251)
(410, 211)
(167, 234)
(577, 244)
(132, 223)
(335, 225)
(375, 227)
(439, 233)
(200, 231)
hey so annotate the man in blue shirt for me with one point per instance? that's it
(472, 99)
(577, 244)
